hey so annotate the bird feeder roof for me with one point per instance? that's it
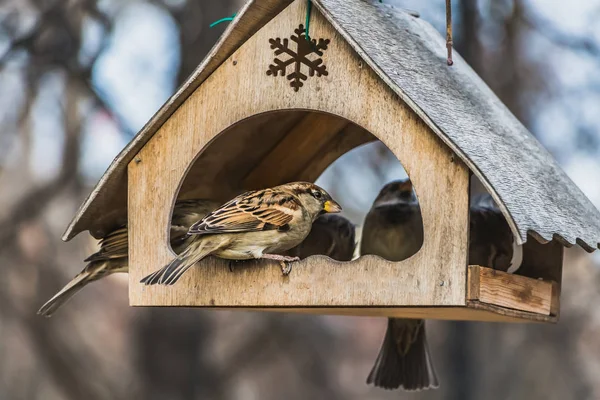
(408, 54)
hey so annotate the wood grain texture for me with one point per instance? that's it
(434, 276)
(408, 54)
(498, 288)
(351, 137)
(292, 155)
(238, 150)
(474, 311)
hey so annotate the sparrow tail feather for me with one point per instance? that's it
(75, 285)
(412, 371)
(170, 273)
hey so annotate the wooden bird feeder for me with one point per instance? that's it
(267, 107)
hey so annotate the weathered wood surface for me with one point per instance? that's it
(511, 291)
(294, 152)
(436, 275)
(474, 311)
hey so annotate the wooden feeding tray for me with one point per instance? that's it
(495, 290)
(492, 296)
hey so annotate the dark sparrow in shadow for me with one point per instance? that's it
(393, 229)
(331, 235)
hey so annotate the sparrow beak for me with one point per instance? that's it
(331, 206)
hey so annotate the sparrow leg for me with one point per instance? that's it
(284, 261)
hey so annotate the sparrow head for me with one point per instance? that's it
(315, 199)
(396, 193)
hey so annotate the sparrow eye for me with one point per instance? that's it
(317, 195)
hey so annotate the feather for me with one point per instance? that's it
(404, 359)
(258, 210)
(196, 251)
(93, 271)
(113, 255)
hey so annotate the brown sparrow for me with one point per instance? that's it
(113, 254)
(393, 229)
(331, 235)
(491, 242)
(254, 225)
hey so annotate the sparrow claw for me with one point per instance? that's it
(284, 262)
(231, 266)
(286, 267)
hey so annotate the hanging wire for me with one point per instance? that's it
(449, 30)
(307, 23)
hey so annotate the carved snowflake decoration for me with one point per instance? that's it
(298, 58)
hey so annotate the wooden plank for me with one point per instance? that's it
(511, 291)
(475, 312)
(234, 152)
(483, 313)
(292, 155)
(473, 283)
(435, 276)
(351, 137)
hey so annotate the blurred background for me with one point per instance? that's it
(78, 78)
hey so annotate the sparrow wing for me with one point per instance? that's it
(116, 244)
(185, 214)
(188, 212)
(253, 211)
(112, 246)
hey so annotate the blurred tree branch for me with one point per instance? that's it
(33, 203)
(556, 36)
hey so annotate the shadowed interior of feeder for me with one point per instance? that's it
(268, 150)
(272, 149)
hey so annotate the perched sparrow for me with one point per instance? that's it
(256, 224)
(331, 235)
(113, 254)
(490, 239)
(393, 229)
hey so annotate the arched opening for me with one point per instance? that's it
(349, 162)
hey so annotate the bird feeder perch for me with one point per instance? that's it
(267, 106)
